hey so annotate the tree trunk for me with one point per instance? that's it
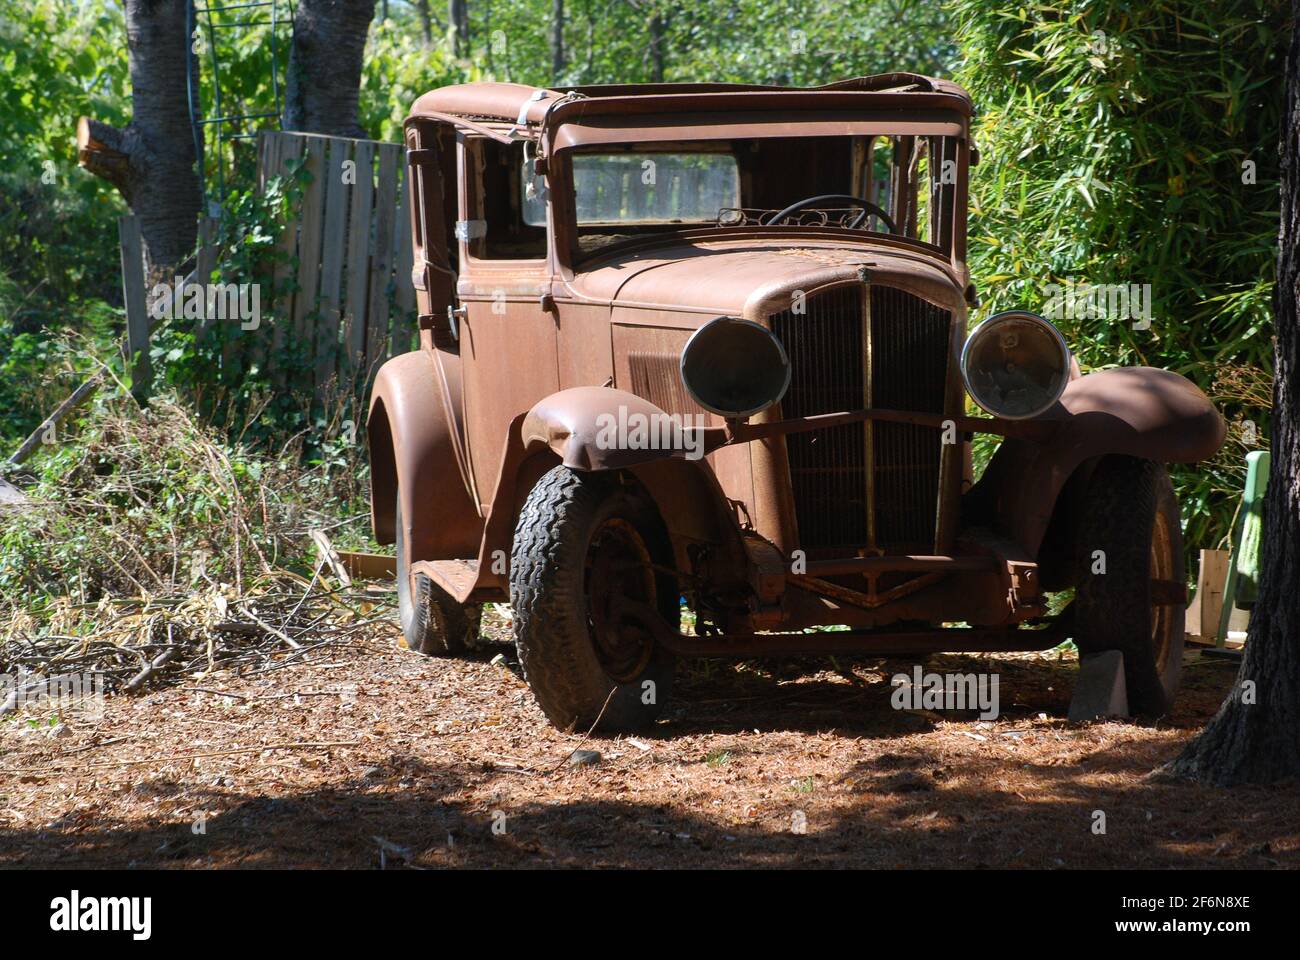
(657, 47)
(324, 79)
(458, 15)
(151, 161)
(426, 21)
(1255, 736)
(557, 40)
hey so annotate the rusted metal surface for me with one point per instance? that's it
(1134, 411)
(850, 501)
(415, 434)
(903, 564)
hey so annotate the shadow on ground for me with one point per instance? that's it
(785, 764)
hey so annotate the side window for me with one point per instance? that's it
(922, 177)
(505, 223)
(433, 194)
(921, 184)
(871, 160)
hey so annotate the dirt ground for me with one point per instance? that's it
(384, 758)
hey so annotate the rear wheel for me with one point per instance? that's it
(1130, 556)
(583, 543)
(433, 623)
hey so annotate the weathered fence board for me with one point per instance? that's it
(353, 303)
(309, 241)
(381, 256)
(331, 271)
(281, 152)
(358, 260)
(341, 292)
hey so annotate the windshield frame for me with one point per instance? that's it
(650, 132)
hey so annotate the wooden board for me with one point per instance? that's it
(349, 248)
(358, 279)
(369, 566)
(286, 150)
(331, 270)
(381, 258)
(309, 247)
(1207, 605)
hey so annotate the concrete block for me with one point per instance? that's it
(1100, 690)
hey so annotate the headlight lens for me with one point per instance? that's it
(1015, 365)
(735, 368)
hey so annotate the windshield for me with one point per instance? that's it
(883, 184)
(630, 187)
(654, 187)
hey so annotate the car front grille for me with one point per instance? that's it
(910, 345)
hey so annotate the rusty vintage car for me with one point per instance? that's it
(702, 349)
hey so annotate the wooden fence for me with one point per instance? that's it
(344, 261)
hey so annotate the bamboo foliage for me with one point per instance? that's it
(1136, 144)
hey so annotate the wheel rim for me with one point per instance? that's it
(618, 566)
(1162, 568)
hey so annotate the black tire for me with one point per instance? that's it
(573, 550)
(433, 623)
(1131, 514)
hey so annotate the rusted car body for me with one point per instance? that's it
(559, 286)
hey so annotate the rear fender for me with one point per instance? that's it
(416, 453)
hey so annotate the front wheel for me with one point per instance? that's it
(1130, 559)
(583, 543)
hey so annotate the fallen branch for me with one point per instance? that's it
(149, 671)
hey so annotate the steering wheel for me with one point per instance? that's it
(868, 209)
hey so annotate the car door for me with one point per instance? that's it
(508, 341)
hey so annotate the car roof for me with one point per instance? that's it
(519, 104)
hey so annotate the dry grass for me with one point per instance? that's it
(152, 549)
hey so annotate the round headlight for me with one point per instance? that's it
(1015, 365)
(735, 367)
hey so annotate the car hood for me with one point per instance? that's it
(753, 278)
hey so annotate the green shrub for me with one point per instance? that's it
(1114, 139)
(138, 502)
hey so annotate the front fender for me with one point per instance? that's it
(1132, 411)
(571, 427)
(583, 427)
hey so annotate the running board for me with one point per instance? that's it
(456, 577)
